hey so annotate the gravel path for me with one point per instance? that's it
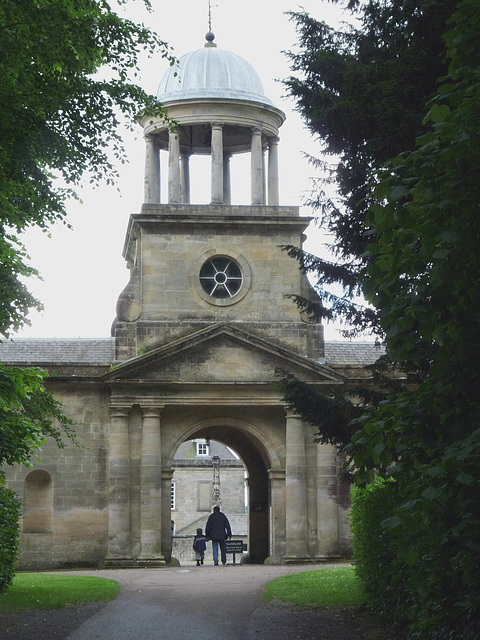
(190, 603)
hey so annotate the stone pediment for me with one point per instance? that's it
(221, 354)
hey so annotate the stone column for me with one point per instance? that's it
(217, 164)
(119, 552)
(151, 490)
(167, 475)
(273, 182)
(327, 505)
(277, 520)
(227, 186)
(173, 168)
(257, 167)
(185, 178)
(296, 491)
(152, 171)
(264, 173)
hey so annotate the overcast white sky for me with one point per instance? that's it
(83, 270)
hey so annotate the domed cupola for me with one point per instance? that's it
(218, 102)
(211, 72)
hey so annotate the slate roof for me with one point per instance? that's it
(352, 354)
(101, 351)
(58, 350)
(186, 451)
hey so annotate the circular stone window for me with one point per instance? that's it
(221, 277)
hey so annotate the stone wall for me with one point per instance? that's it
(65, 497)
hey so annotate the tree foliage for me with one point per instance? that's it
(423, 272)
(362, 92)
(28, 416)
(418, 270)
(9, 517)
(423, 278)
(67, 69)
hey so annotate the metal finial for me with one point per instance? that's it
(210, 6)
(209, 17)
(210, 36)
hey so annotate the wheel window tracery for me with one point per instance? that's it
(221, 277)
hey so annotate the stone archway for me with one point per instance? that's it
(259, 457)
(293, 514)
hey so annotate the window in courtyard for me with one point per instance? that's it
(204, 495)
(202, 448)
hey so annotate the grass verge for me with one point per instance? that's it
(326, 587)
(53, 591)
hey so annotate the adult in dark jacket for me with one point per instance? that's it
(218, 530)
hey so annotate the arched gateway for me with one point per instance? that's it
(202, 329)
(260, 457)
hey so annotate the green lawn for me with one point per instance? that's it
(52, 591)
(326, 587)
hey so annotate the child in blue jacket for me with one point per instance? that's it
(199, 546)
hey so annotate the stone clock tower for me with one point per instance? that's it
(206, 322)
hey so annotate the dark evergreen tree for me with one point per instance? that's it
(416, 263)
(362, 92)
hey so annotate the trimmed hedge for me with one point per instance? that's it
(417, 549)
(374, 553)
(9, 535)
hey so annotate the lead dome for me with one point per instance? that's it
(211, 72)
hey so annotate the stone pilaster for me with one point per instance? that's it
(151, 490)
(277, 525)
(119, 551)
(295, 491)
(327, 499)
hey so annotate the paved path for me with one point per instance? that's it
(188, 603)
